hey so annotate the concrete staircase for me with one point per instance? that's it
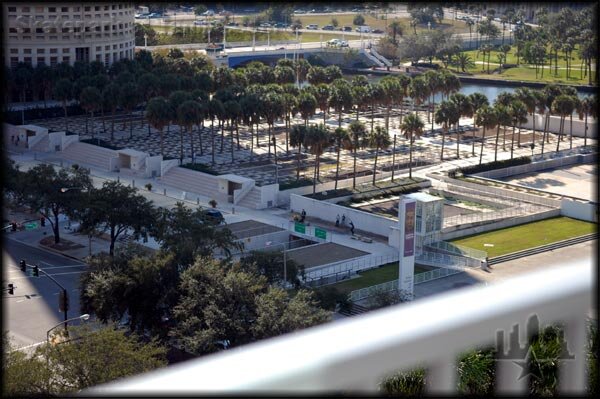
(252, 199)
(88, 154)
(42, 145)
(194, 182)
(354, 310)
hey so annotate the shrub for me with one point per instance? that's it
(148, 187)
(200, 168)
(101, 143)
(295, 184)
(212, 203)
(469, 170)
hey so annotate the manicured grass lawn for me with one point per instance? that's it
(529, 235)
(371, 277)
(378, 23)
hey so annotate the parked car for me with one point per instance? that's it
(328, 27)
(155, 15)
(265, 25)
(280, 25)
(343, 43)
(377, 31)
(347, 28)
(208, 13)
(214, 216)
(233, 24)
(363, 29)
(333, 42)
(312, 26)
(299, 12)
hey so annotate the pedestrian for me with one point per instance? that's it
(12, 138)
(17, 142)
(337, 221)
(351, 228)
(344, 219)
(302, 216)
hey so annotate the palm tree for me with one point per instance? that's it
(451, 83)
(446, 115)
(404, 82)
(486, 118)
(464, 61)
(90, 100)
(321, 93)
(128, 99)
(374, 96)
(550, 92)
(317, 139)
(357, 132)
(340, 138)
(215, 109)
(518, 115)
(391, 91)
(528, 97)
(465, 108)
(412, 127)
(290, 105)
(589, 107)
(148, 86)
(63, 92)
(378, 139)
(297, 139)
(477, 100)
(188, 113)
(434, 82)
(395, 29)
(418, 91)
(502, 119)
(562, 105)
(340, 98)
(111, 95)
(274, 109)
(470, 22)
(505, 98)
(157, 112)
(307, 104)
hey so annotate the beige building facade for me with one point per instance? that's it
(52, 33)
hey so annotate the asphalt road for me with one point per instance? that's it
(33, 309)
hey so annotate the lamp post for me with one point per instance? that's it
(82, 189)
(284, 261)
(83, 317)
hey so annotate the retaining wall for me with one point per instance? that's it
(537, 166)
(587, 211)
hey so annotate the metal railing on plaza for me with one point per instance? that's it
(506, 213)
(438, 259)
(458, 249)
(357, 354)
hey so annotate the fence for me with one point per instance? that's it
(388, 286)
(458, 249)
(437, 259)
(334, 272)
(506, 213)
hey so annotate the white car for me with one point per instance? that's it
(208, 13)
(334, 42)
(343, 43)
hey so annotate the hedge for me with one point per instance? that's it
(101, 143)
(469, 170)
(200, 167)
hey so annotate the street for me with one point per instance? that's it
(33, 309)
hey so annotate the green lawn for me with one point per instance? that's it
(526, 71)
(526, 236)
(383, 274)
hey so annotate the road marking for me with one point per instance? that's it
(56, 274)
(28, 346)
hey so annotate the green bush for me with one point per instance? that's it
(295, 184)
(200, 168)
(101, 143)
(469, 170)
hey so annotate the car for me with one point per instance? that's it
(343, 43)
(214, 217)
(208, 13)
(155, 15)
(347, 29)
(299, 12)
(311, 11)
(200, 23)
(328, 27)
(265, 25)
(280, 25)
(363, 29)
(333, 42)
(233, 24)
(377, 31)
(312, 26)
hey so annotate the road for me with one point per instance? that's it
(33, 309)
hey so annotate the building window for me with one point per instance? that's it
(64, 9)
(66, 50)
(106, 47)
(40, 37)
(12, 30)
(26, 30)
(26, 37)
(39, 30)
(66, 59)
(41, 51)
(98, 58)
(12, 9)
(53, 37)
(14, 61)
(27, 51)
(114, 47)
(87, 8)
(65, 30)
(39, 9)
(76, 9)
(53, 50)
(41, 60)
(53, 61)
(97, 8)
(51, 9)
(65, 37)
(98, 48)
(27, 60)
(14, 51)
(25, 9)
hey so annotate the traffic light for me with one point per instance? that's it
(11, 289)
(36, 271)
(63, 301)
(23, 265)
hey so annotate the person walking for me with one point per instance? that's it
(302, 216)
(337, 221)
(351, 228)
(343, 219)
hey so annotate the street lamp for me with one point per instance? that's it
(284, 260)
(83, 317)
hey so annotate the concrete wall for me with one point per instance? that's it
(260, 242)
(581, 210)
(578, 125)
(327, 211)
(166, 165)
(153, 164)
(268, 196)
(537, 166)
(68, 140)
(448, 235)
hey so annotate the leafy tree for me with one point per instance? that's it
(358, 20)
(43, 192)
(90, 100)
(188, 233)
(119, 209)
(91, 357)
(63, 92)
(128, 99)
(226, 303)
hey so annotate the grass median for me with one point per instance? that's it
(530, 235)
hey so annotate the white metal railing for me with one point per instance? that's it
(381, 58)
(458, 249)
(388, 286)
(355, 354)
(347, 267)
(444, 260)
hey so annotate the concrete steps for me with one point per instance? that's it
(42, 145)
(542, 248)
(355, 310)
(88, 154)
(252, 199)
(193, 182)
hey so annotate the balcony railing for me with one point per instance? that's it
(357, 353)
